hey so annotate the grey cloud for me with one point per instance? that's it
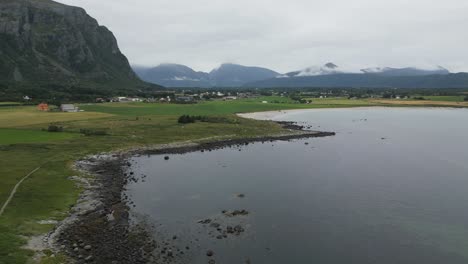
(288, 35)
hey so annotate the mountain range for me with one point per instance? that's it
(48, 49)
(328, 75)
(226, 75)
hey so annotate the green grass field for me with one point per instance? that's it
(18, 136)
(9, 104)
(24, 116)
(218, 107)
(48, 194)
(446, 98)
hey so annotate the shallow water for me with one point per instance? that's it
(390, 187)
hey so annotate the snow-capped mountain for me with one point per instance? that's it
(330, 75)
(329, 68)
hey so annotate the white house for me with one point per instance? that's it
(69, 108)
(123, 99)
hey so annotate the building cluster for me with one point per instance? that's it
(182, 97)
(69, 108)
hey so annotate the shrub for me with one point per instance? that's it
(295, 97)
(186, 119)
(91, 132)
(54, 128)
(220, 119)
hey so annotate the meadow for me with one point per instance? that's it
(454, 98)
(48, 193)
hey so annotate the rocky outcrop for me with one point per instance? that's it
(45, 42)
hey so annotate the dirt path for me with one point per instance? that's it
(12, 194)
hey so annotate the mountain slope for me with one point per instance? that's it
(174, 75)
(459, 80)
(227, 75)
(234, 75)
(49, 49)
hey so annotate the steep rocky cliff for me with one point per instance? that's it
(54, 48)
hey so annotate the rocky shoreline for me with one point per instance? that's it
(98, 229)
(295, 132)
(102, 233)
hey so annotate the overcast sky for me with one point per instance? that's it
(288, 35)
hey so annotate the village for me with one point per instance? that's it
(194, 97)
(183, 97)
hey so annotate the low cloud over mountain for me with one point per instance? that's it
(226, 75)
(327, 75)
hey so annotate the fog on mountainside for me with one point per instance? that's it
(328, 75)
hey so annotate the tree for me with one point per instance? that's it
(387, 95)
(55, 102)
(186, 119)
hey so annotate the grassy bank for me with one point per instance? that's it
(48, 193)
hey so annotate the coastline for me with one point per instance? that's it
(100, 218)
(276, 115)
(270, 115)
(98, 228)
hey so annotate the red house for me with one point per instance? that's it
(43, 107)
